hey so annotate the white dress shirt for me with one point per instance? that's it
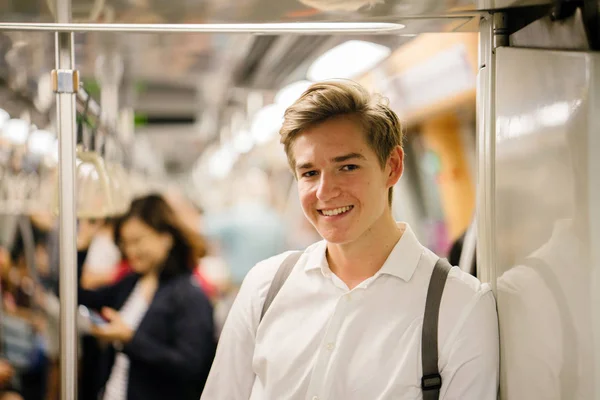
(319, 340)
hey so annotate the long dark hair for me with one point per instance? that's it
(155, 212)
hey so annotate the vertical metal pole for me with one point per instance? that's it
(66, 112)
(594, 211)
(486, 152)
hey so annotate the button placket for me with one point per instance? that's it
(320, 375)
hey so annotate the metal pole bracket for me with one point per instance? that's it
(65, 80)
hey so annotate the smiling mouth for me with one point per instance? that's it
(335, 211)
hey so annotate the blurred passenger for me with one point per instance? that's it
(24, 326)
(103, 257)
(7, 373)
(251, 230)
(189, 214)
(158, 318)
(348, 320)
(123, 269)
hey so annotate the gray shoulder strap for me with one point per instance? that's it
(431, 382)
(285, 269)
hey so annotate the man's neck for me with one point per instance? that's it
(359, 260)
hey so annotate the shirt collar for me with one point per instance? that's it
(404, 258)
(402, 261)
(317, 258)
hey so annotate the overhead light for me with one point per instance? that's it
(348, 60)
(41, 142)
(4, 117)
(16, 130)
(242, 142)
(267, 122)
(290, 93)
(221, 162)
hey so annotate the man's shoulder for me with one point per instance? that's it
(462, 289)
(465, 297)
(261, 275)
(466, 285)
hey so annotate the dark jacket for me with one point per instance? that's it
(173, 347)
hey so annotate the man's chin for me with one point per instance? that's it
(338, 238)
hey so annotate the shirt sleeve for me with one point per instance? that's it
(472, 371)
(232, 374)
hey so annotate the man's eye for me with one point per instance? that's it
(350, 167)
(309, 174)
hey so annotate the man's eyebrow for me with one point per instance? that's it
(306, 165)
(349, 156)
(338, 159)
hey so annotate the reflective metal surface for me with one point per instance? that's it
(65, 113)
(247, 11)
(547, 223)
(306, 28)
(485, 210)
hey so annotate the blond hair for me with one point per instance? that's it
(331, 99)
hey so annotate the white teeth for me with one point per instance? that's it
(336, 211)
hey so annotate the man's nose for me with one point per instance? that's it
(328, 188)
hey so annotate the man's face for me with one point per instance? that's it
(343, 189)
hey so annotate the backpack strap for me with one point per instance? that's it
(284, 271)
(431, 382)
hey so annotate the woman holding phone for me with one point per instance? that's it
(158, 319)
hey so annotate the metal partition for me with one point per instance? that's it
(547, 223)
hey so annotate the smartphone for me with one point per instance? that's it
(97, 319)
(94, 317)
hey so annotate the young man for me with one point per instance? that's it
(347, 323)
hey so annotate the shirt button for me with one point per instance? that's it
(330, 346)
(315, 398)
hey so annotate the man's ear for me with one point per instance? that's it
(395, 165)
